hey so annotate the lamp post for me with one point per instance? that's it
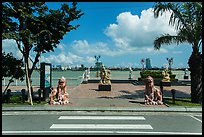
(170, 62)
(97, 57)
(97, 64)
(142, 62)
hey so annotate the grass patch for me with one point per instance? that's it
(181, 102)
(22, 104)
(17, 100)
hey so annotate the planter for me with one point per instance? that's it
(156, 75)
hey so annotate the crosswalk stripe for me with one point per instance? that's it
(101, 126)
(104, 117)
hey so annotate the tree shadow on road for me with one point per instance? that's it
(178, 93)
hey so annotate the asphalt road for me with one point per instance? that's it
(101, 123)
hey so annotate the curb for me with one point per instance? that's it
(102, 109)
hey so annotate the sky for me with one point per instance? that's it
(121, 33)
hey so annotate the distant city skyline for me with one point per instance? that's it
(122, 33)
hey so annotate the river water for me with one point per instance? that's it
(74, 78)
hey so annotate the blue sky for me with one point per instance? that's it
(122, 33)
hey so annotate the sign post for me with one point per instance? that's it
(45, 79)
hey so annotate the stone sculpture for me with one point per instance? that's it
(130, 73)
(166, 76)
(105, 77)
(104, 83)
(153, 95)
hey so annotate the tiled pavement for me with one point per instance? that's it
(121, 95)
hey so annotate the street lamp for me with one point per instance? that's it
(97, 57)
(97, 64)
(142, 62)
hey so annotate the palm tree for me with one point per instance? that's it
(186, 17)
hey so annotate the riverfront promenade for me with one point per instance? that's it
(122, 97)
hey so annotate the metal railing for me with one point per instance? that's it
(36, 81)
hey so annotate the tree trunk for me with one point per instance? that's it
(28, 82)
(195, 64)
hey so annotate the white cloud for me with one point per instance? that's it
(130, 34)
(9, 45)
(62, 58)
(82, 47)
(177, 52)
(61, 47)
(90, 60)
(68, 59)
(134, 31)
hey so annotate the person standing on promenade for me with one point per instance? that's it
(60, 93)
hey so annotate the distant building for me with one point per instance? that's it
(148, 63)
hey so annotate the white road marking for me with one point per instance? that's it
(104, 117)
(196, 118)
(198, 115)
(101, 126)
(101, 132)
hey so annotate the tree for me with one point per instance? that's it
(35, 27)
(11, 67)
(186, 17)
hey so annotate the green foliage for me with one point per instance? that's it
(155, 74)
(38, 28)
(186, 17)
(16, 99)
(12, 67)
(187, 20)
(180, 102)
(36, 25)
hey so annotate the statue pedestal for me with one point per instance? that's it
(165, 83)
(104, 87)
(185, 77)
(85, 82)
(162, 85)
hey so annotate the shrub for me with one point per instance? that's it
(156, 74)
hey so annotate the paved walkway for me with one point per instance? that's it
(122, 97)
